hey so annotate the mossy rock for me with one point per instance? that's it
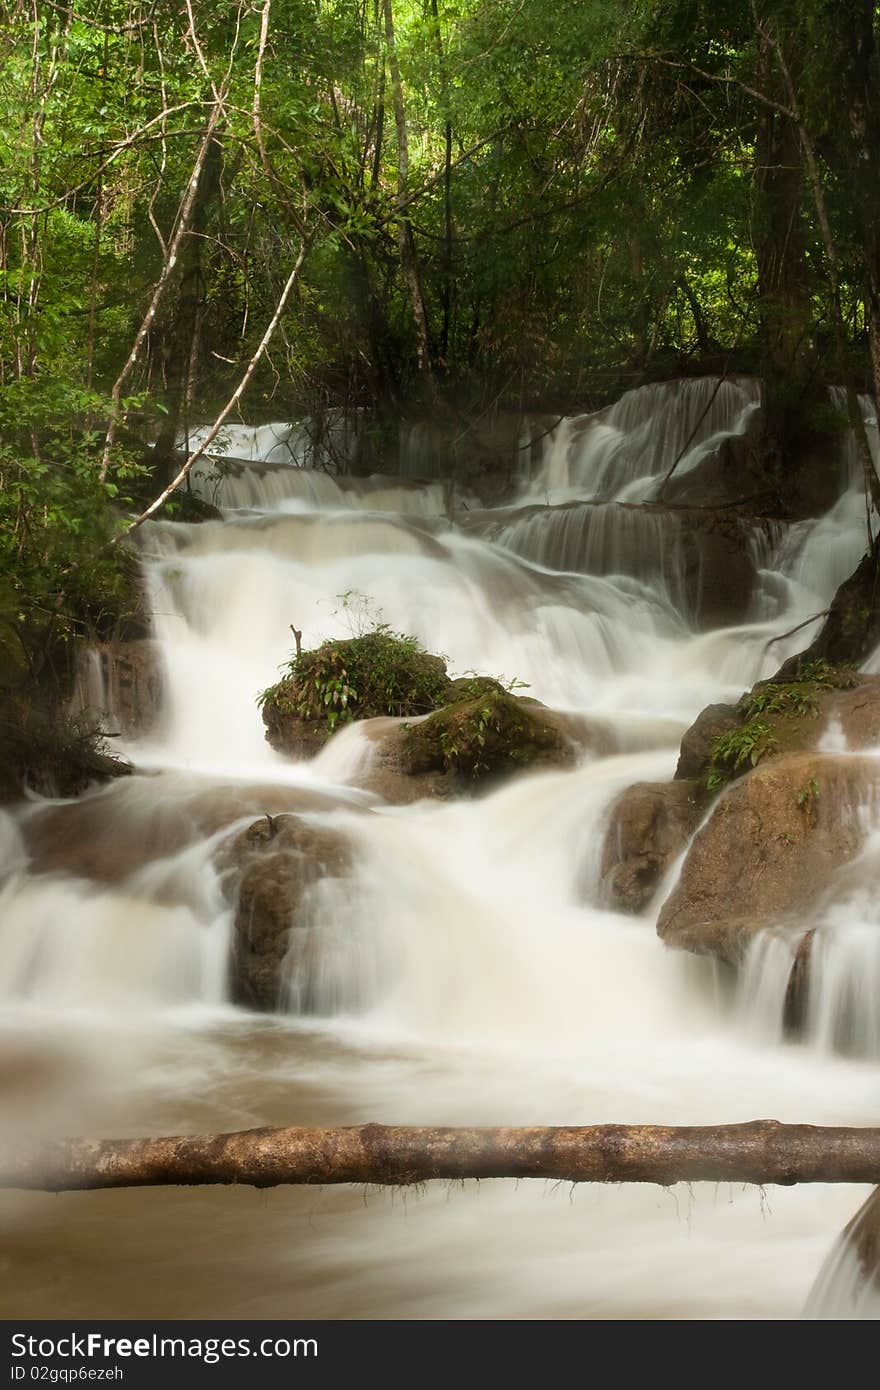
(486, 735)
(380, 673)
(789, 714)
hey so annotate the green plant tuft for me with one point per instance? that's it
(380, 672)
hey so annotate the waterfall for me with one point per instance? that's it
(619, 452)
(457, 964)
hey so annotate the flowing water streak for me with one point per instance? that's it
(619, 452)
(463, 972)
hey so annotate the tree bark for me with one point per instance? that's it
(762, 1152)
(405, 240)
(231, 404)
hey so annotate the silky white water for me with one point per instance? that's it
(466, 971)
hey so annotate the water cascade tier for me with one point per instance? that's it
(444, 962)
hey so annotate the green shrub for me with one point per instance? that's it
(380, 672)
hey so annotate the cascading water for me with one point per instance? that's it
(621, 452)
(464, 968)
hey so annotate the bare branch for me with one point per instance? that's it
(184, 217)
(763, 1152)
(233, 401)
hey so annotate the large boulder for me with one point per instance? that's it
(698, 741)
(474, 742)
(765, 856)
(745, 470)
(116, 831)
(717, 566)
(649, 827)
(270, 871)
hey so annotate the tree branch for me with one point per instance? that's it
(762, 1152)
(233, 399)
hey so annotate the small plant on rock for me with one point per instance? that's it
(740, 748)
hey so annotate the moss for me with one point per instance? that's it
(480, 735)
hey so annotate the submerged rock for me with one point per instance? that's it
(764, 857)
(120, 829)
(702, 558)
(269, 872)
(649, 827)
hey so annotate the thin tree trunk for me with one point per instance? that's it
(233, 401)
(447, 183)
(832, 257)
(762, 1152)
(184, 218)
(405, 241)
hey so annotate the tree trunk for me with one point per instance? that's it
(783, 278)
(405, 241)
(183, 325)
(761, 1152)
(797, 448)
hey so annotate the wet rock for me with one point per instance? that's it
(718, 569)
(703, 556)
(785, 715)
(745, 470)
(121, 684)
(44, 750)
(851, 631)
(649, 827)
(697, 743)
(766, 854)
(484, 455)
(486, 735)
(270, 871)
(475, 743)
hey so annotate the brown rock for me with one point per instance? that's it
(113, 833)
(269, 871)
(649, 827)
(696, 745)
(850, 703)
(474, 743)
(746, 471)
(719, 570)
(765, 856)
(851, 631)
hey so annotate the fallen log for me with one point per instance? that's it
(763, 1152)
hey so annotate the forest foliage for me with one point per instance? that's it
(403, 206)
